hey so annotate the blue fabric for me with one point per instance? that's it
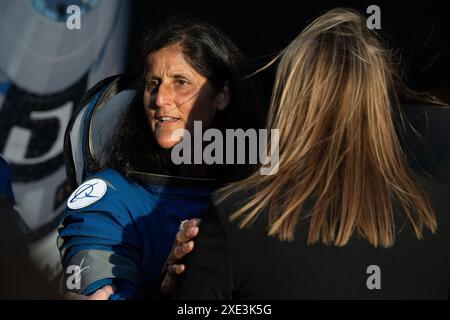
(5, 180)
(133, 220)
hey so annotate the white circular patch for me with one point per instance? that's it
(89, 192)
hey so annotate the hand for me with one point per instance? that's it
(101, 294)
(183, 245)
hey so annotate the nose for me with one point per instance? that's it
(164, 96)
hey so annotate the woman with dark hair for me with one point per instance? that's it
(120, 224)
(346, 216)
(213, 56)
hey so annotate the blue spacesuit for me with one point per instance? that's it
(121, 231)
(5, 181)
(116, 230)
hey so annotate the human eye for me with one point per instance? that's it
(151, 84)
(181, 81)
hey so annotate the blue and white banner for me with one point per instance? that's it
(45, 68)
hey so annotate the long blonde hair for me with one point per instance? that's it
(334, 101)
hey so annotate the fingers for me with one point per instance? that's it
(168, 285)
(189, 231)
(102, 294)
(183, 245)
(170, 279)
(190, 223)
(175, 270)
(179, 251)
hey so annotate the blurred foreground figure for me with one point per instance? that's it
(45, 68)
(19, 277)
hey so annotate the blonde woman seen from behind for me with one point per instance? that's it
(346, 216)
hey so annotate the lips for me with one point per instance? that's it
(165, 119)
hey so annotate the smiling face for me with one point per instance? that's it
(176, 95)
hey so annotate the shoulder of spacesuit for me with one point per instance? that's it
(105, 189)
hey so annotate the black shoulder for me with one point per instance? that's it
(437, 189)
(231, 202)
(438, 193)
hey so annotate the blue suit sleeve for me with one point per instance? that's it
(100, 245)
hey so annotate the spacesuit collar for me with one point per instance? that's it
(173, 181)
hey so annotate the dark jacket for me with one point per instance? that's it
(233, 263)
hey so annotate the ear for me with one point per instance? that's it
(222, 99)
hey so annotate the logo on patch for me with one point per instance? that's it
(89, 192)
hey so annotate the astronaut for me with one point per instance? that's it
(121, 221)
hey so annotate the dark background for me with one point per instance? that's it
(419, 30)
